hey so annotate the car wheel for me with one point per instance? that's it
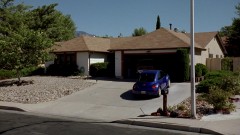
(169, 84)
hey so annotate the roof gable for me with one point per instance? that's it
(203, 38)
(159, 39)
(83, 43)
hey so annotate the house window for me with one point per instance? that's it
(210, 56)
(217, 56)
(65, 58)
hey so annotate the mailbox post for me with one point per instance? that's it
(165, 93)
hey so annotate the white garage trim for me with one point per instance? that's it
(150, 51)
(118, 64)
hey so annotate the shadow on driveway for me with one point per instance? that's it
(129, 96)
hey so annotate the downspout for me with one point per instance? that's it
(89, 60)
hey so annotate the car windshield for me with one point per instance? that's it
(146, 77)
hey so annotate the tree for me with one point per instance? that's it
(20, 46)
(158, 24)
(233, 35)
(47, 19)
(139, 32)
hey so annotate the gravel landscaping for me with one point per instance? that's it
(40, 89)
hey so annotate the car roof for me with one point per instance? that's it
(149, 71)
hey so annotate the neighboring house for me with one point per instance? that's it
(153, 50)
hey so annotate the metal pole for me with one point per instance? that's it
(193, 98)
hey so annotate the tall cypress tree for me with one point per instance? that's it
(158, 24)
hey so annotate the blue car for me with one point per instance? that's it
(151, 82)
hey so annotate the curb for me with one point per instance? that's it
(168, 126)
(11, 108)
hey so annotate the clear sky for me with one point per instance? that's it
(112, 17)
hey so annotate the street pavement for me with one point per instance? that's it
(14, 123)
(112, 101)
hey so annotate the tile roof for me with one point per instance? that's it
(82, 44)
(159, 39)
(203, 38)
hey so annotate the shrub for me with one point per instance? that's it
(27, 71)
(204, 69)
(205, 85)
(98, 69)
(63, 70)
(198, 70)
(231, 84)
(227, 64)
(219, 99)
(183, 65)
(6, 74)
(223, 81)
(38, 71)
(218, 74)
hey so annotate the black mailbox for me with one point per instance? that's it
(164, 92)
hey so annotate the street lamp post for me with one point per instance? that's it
(193, 98)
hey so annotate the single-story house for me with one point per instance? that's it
(157, 48)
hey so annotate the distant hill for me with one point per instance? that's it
(83, 33)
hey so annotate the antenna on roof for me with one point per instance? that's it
(170, 25)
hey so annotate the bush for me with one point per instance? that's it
(27, 71)
(227, 64)
(62, 70)
(200, 70)
(231, 84)
(227, 81)
(205, 85)
(38, 71)
(218, 74)
(219, 99)
(99, 69)
(6, 74)
(183, 65)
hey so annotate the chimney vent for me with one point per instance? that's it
(170, 26)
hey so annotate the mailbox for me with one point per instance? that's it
(164, 92)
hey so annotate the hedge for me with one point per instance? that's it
(63, 70)
(103, 69)
(200, 70)
(183, 65)
(7, 74)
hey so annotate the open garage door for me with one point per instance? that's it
(134, 62)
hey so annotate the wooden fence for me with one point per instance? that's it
(217, 64)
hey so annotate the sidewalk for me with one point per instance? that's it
(226, 127)
(213, 124)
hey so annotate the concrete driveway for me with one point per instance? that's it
(108, 101)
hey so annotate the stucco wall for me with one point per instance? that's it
(212, 49)
(83, 61)
(118, 64)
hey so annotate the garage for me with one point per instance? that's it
(134, 61)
